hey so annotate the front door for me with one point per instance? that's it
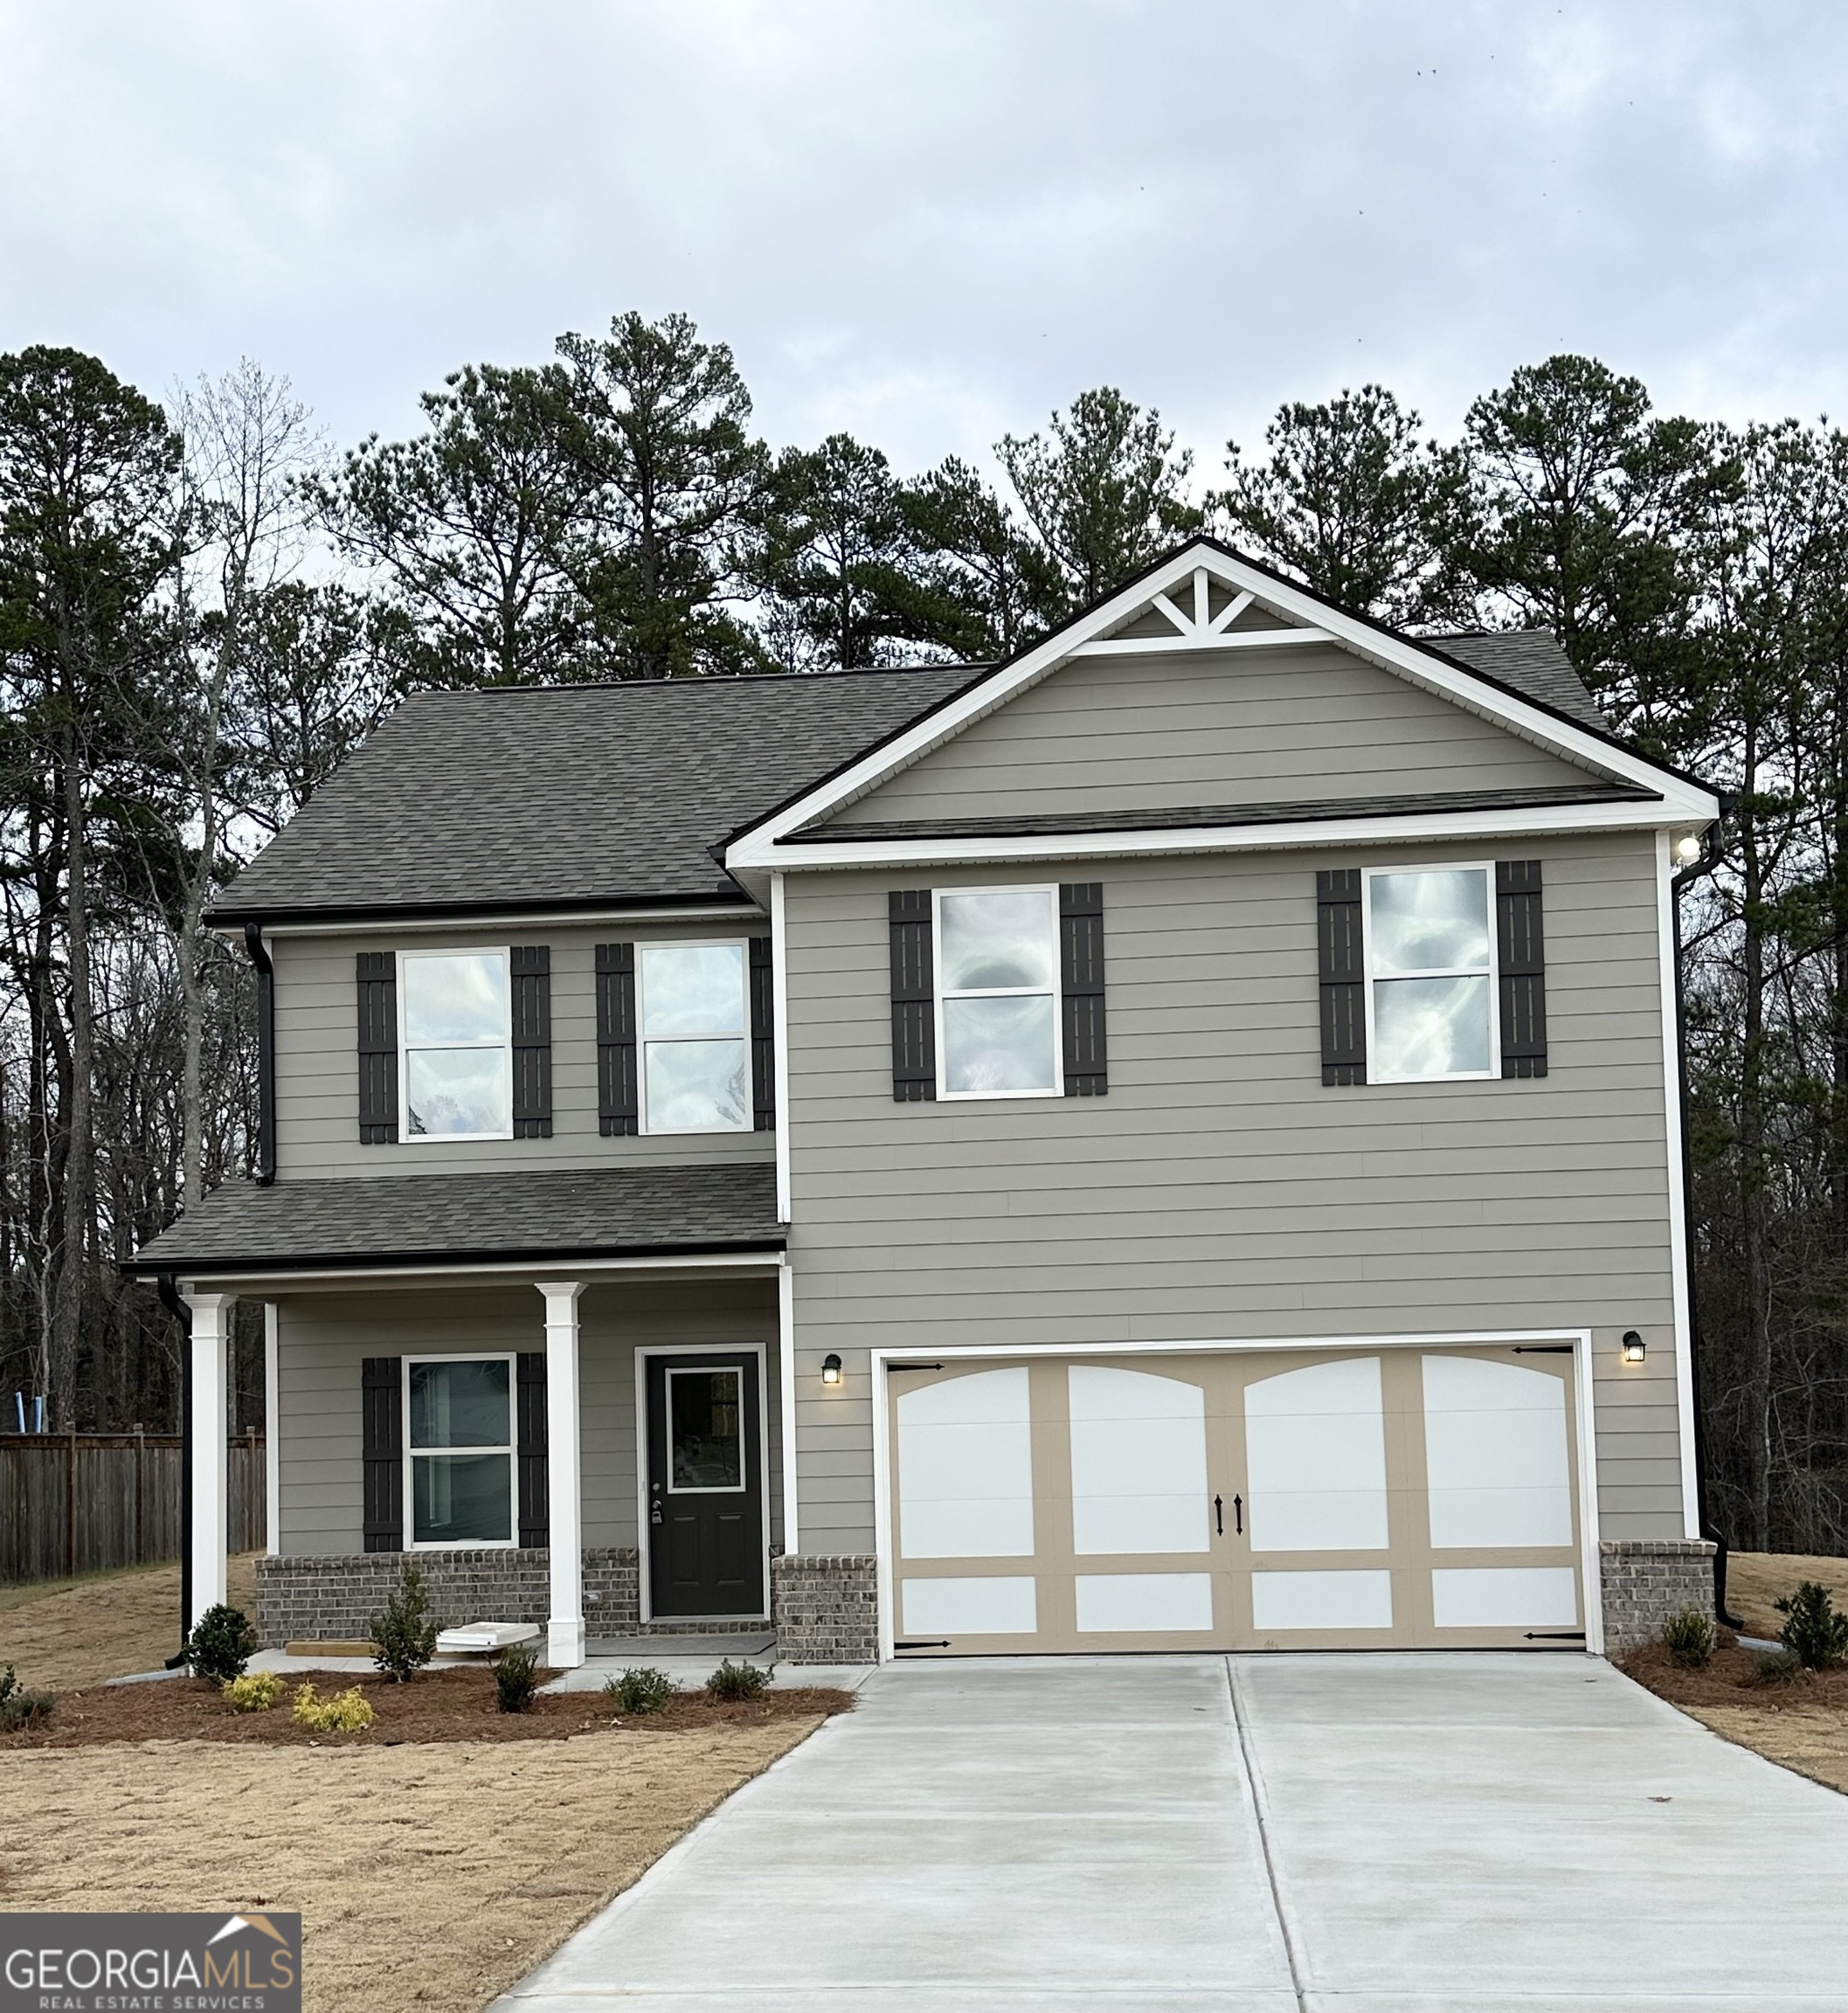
(705, 1492)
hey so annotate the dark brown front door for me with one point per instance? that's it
(705, 1492)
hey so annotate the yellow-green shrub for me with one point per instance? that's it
(344, 1713)
(256, 1692)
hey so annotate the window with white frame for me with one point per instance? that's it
(695, 1052)
(459, 1432)
(997, 993)
(1430, 973)
(456, 1022)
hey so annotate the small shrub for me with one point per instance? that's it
(1813, 1632)
(222, 1642)
(343, 1712)
(256, 1692)
(732, 1682)
(404, 1637)
(641, 1691)
(515, 1678)
(20, 1707)
(1689, 1638)
(1779, 1666)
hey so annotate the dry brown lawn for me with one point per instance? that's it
(1755, 1580)
(429, 1877)
(62, 1634)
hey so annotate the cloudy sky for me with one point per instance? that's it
(928, 221)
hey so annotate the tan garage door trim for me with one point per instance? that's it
(1579, 1339)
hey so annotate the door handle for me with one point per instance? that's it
(1218, 1515)
(1238, 1514)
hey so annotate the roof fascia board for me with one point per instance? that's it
(421, 921)
(763, 845)
(762, 1256)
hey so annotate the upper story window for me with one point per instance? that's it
(1430, 974)
(997, 993)
(459, 1427)
(696, 1054)
(457, 1034)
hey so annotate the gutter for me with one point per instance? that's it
(253, 944)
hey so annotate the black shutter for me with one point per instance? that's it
(1522, 958)
(1343, 981)
(531, 972)
(914, 1034)
(1081, 960)
(617, 1109)
(376, 975)
(382, 1451)
(535, 1501)
(763, 1037)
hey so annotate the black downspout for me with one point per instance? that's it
(176, 1307)
(1703, 865)
(258, 953)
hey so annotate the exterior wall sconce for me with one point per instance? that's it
(830, 1369)
(1688, 849)
(1635, 1349)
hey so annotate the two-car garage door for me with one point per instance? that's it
(1390, 1498)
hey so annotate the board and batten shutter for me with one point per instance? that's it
(914, 1017)
(529, 969)
(1340, 966)
(533, 1481)
(618, 1110)
(761, 976)
(382, 1451)
(376, 973)
(1081, 972)
(1521, 963)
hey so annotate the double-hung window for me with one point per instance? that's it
(1430, 940)
(458, 1418)
(997, 993)
(457, 1033)
(695, 1052)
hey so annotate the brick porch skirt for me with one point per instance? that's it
(1647, 1581)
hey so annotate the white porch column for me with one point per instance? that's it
(272, 1428)
(211, 1459)
(563, 1470)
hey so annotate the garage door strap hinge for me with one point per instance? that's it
(1553, 1636)
(914, 1366)
(1543, 1348)
(944, 1644)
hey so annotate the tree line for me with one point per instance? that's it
(203, 609)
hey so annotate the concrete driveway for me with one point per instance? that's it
(1253, 1835)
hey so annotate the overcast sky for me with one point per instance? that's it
(929, 223)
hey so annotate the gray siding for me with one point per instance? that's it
(1220, 1191)
(324, 1337)
(1252, 726)
(317, 1093)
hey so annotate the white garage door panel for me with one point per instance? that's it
(1322, 1600)
(1315, 1448)
(1496, 1454)
(1000, 1607)
(1138, 1462)
(1143, 1603)
(1505, 1597)
(966, 1467)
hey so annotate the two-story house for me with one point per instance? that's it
(1169, 1142)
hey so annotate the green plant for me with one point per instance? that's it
(1689, 1638)
(731, 1682)
(1813, 1632)
(222, 1642)
(641, 1691)
(20, 1707)
(1779, 1666)
(256, 1692)
(343, 1712)
(403, 1635)
(515, 1678)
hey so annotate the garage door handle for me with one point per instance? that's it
(1218, 1515)
(1238, 1514)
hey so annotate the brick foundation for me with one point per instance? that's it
(334, 1598)
(1646, 1581)
(827, 1608)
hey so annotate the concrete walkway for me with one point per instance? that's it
(1281, 1834)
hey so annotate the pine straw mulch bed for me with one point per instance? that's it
(1800, 1722)
(438, 1705)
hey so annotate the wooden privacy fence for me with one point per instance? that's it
(89, 1502)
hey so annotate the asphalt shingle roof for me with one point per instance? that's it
(552, 1214)
(1531, 662)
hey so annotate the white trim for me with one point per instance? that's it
(786, 1387)
(272, 1428)
(211, 1456)
(412, 1543)
(643, 945)
(1486, 868)
(1050, 890)
(1208, 638)
(761, 846)
(551, 919)
(564, 1630)
(1580, 1339)
(643, 1351)
(523, 1271)
(779, 1037)
(401, 993)
(1677, 1194)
